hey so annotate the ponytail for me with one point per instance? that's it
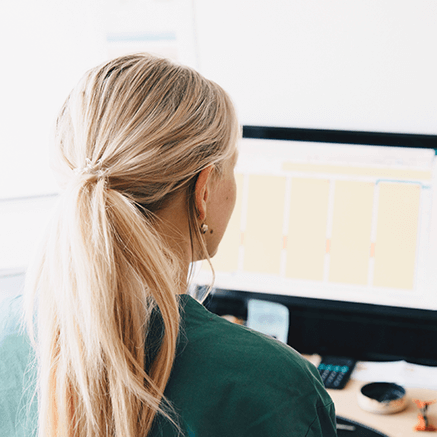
(108, 270)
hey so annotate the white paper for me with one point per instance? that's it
(399, 372)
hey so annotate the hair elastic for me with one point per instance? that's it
(90, 168)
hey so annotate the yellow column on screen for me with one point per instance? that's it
(265, 218)
(351, 232)
(226, 259)
(306, 242)
(396, 235)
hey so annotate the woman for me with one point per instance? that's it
(146, 151)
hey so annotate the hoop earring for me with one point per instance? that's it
(204, 228)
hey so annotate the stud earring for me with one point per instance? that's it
(204, 228)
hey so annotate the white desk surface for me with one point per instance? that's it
(394, 425)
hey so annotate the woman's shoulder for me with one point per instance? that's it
(17, 373)
(227, 376)
(15, 347)
(243, 351)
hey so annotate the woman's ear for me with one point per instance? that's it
(201, 191)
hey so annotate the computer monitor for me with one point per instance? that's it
(342, 219)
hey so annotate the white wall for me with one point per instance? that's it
(340, 64)
(46, 46)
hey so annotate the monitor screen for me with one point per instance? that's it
(342, 222)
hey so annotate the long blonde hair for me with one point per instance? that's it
(135, 131)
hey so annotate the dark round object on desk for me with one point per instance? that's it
(383, 391)
(382, 398)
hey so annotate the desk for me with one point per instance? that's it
(394, 425)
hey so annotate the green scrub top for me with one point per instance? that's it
(227, 380)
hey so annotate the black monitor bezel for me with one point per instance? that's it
(341, 136)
